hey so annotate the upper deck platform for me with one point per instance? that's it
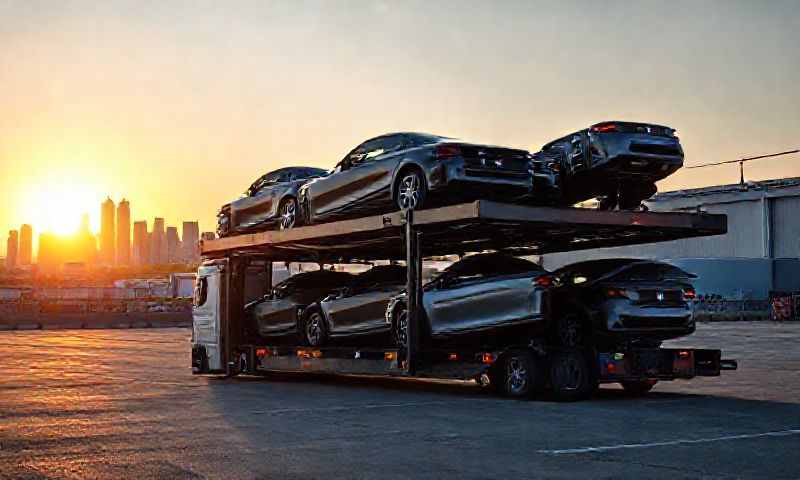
(470, 227)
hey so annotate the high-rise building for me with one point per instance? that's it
(123, 233)
(191, 242)
(12, 247)
(25, 245)
(158, 243)
(173, 245)
(107, 236)
(86, 242)
(47, 260)
(141, 250)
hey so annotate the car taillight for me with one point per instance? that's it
(613, 292)
(544, 281)
(689, 294)
(447, 151)
(604, 127)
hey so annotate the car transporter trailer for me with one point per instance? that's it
(223, 346)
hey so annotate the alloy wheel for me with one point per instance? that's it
(516, 376)
(401, 328)
(288, 214)
(314, 329)
(410, 192)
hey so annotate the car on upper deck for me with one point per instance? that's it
(618, 162)
(417, 170)
(270, 202)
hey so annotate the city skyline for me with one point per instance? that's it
(110, 245)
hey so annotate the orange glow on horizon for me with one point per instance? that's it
(56, 205)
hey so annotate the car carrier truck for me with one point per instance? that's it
(239, 268)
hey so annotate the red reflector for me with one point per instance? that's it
(447, 151)
(453, 356)
(689, 294)
(487, 358)
(616, 293)
(604, 127)
(544, 281)
(612, 368)
(261, 352)
(683, 354)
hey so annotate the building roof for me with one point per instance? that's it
(734, 192)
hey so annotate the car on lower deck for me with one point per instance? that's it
(620, 162)
(416, 170)
(356, 311)
(278, 315)
(270, 202)
(622, 301)
(479, 300)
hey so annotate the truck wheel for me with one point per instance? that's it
(569, 331)
(639, 388)
(518, 375)
(315, 329)
(570, 376)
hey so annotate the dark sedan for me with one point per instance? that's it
(415, 170)
(618, 162)
(621, 300)
(480, 299)
(279, 313)
(357, 310)
(271, 201)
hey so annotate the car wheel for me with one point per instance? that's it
(570, 376)
(518, 375)
(411, 190)
(224, 225)
(288, 213)
(315, 329)
(569, 331)
(399, 326)
(638, 388)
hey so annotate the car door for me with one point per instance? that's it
(360, 179)
(478, 297)
(361, 312)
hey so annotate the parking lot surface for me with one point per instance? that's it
(123, 404)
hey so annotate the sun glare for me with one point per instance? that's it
(57, 207)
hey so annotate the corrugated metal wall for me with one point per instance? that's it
(786, 227)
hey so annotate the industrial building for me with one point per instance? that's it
(758, 255)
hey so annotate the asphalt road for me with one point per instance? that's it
(123, 404)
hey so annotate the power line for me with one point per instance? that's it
(742, 160)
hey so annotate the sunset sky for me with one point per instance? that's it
(178, 106)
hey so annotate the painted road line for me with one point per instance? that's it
(668, 443)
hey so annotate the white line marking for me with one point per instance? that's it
(606, 448)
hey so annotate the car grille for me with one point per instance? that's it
(646, 323)
(655, 149)
(495, 159)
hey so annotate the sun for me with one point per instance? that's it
(57, 206)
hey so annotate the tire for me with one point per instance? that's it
(224, 225)
(314, 328)
(571, 376)
(288, 214)
(411, 190)
(569, 331)
(399, 332)
(639, 388)
(518, 375)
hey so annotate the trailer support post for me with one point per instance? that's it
(413, 291)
